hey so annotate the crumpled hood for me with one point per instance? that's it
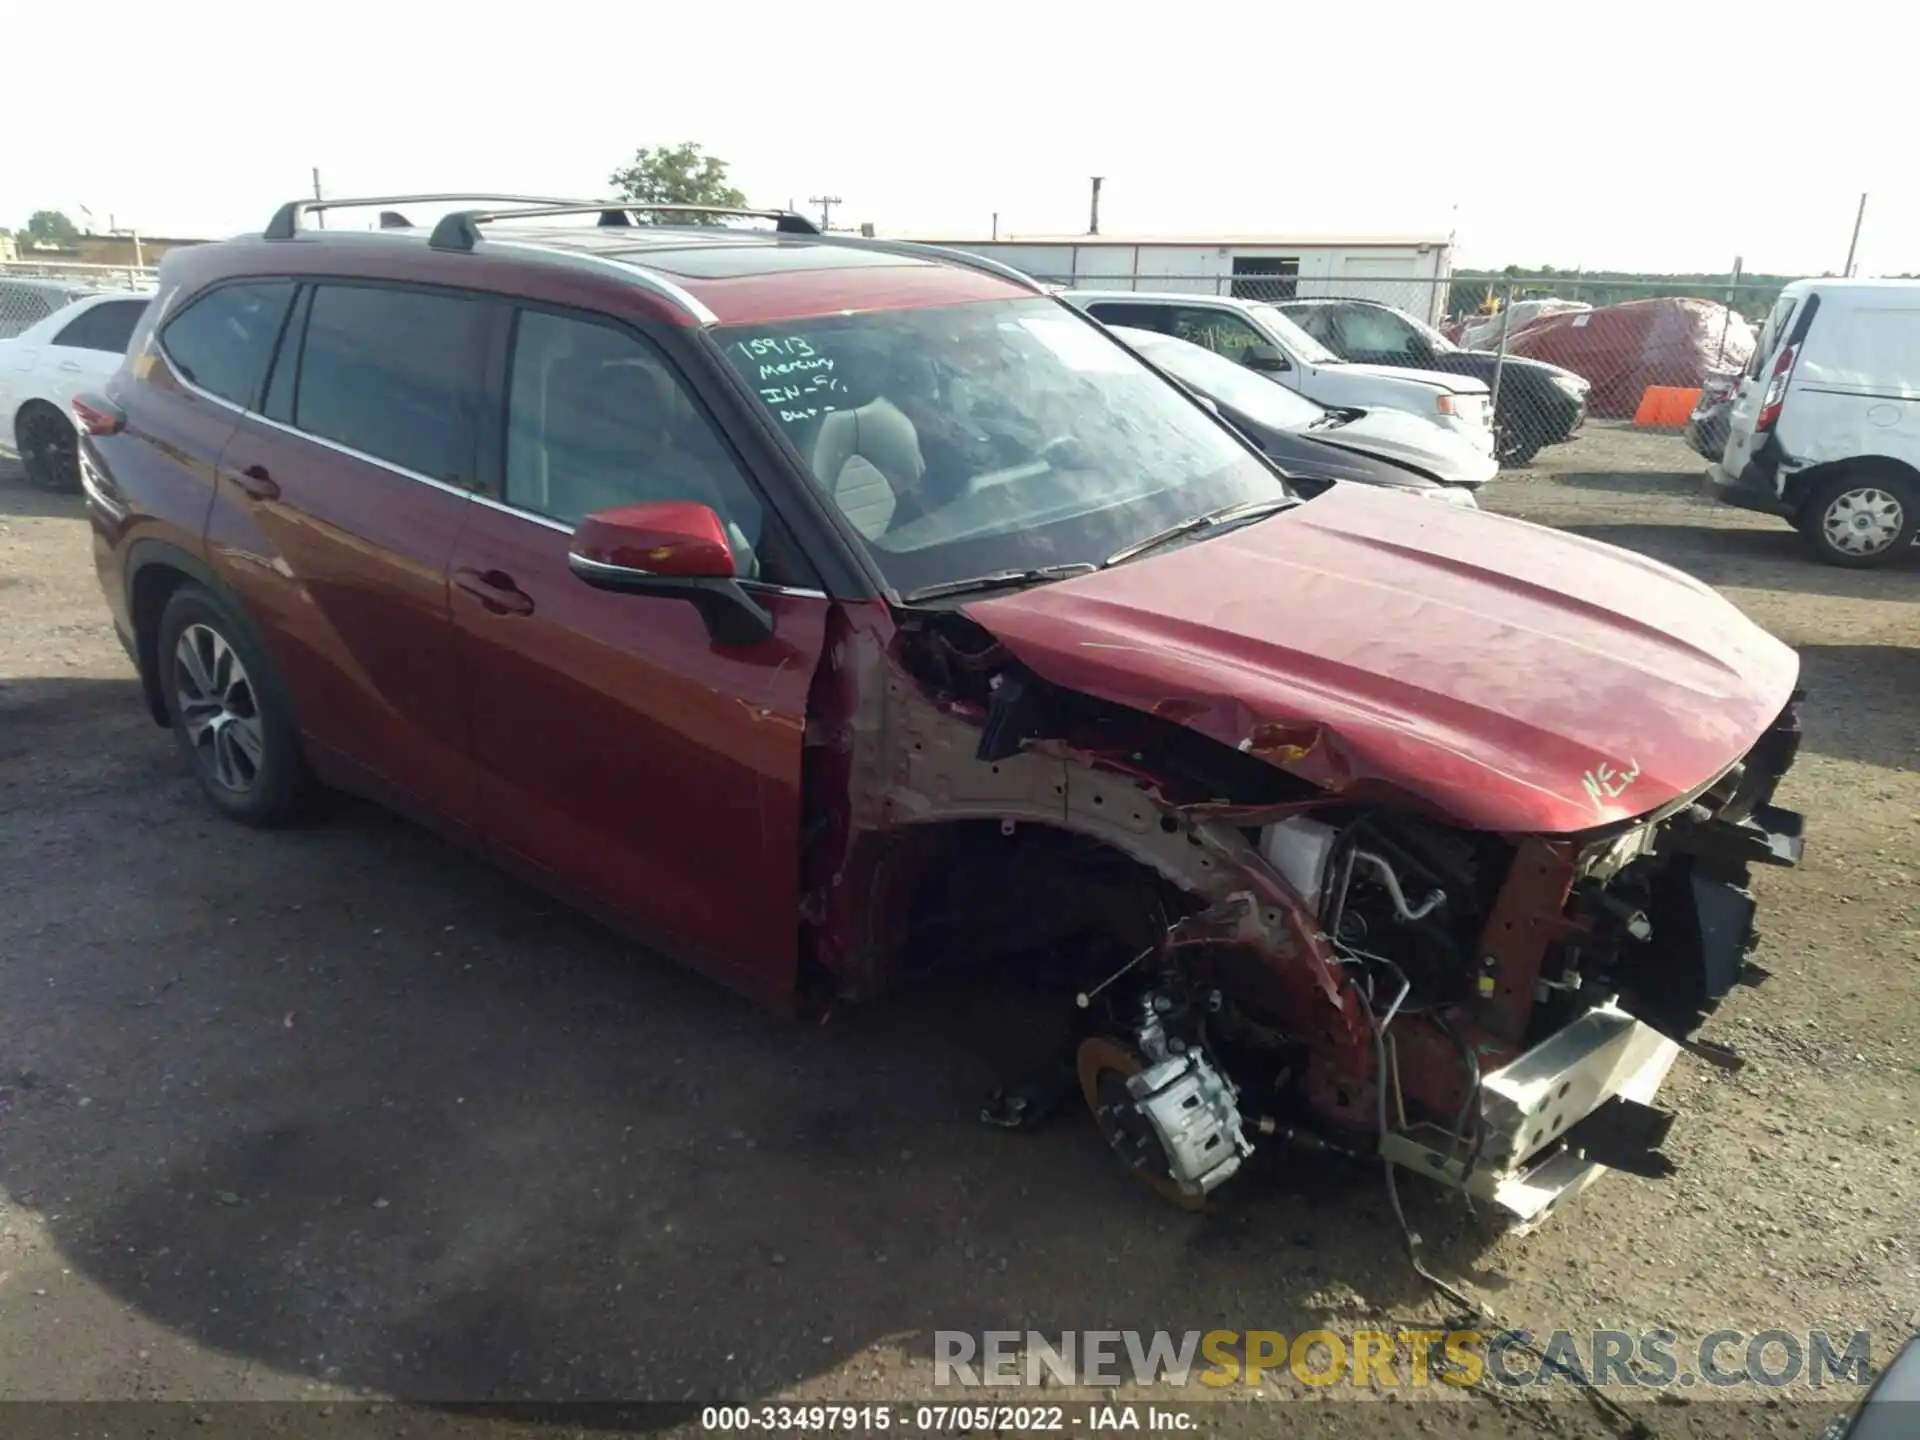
(1411, 440)
(1513, 677)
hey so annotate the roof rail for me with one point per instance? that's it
(461, 229)
(937, 252)
(288, 220)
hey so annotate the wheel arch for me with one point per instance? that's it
(1810, 480)
(155, 569)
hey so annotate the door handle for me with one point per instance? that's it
(72, 365)
(255, 483)
(495, 590)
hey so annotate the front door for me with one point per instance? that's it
(620, 748)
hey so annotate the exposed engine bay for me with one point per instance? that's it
(1266, 960)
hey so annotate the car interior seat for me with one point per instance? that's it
(866, 458)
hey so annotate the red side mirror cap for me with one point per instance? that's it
(668, 538)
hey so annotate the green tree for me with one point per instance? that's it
(676, 175)
(51, 227)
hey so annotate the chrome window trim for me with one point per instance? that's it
(530, 516)
(602, 567)
(461, 490)
(534, 516)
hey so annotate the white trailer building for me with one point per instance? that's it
(1410, 271)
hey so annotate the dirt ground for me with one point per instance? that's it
(341, 1113)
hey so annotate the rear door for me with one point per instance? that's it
(86, 350)
(1775, 335)
(620, 747)
(337, 506)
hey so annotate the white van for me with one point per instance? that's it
(1825, 427)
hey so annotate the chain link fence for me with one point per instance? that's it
(1654, 354)
(31, 290)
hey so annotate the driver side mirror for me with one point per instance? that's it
(1265, 358)
(673, 548)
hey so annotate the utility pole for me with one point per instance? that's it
(826, 204)
(320, 215)
(1093, 214)
(1854, 243)
(996, 224)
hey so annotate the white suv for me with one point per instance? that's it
(1261, 338)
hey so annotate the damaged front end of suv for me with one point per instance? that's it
(1457, 899)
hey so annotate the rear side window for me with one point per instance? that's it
(392, 374)
(1134, 317)
(223, 341)
(107, 326)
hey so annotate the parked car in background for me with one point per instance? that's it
(1255, 334)
(832, 611)
(43, 368)
(1317, 446)
(1713, 413)
(1825, 428)
(1539, 404)
(25, 301)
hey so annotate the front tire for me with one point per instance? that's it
(1862, 519)
(49, 448)
(231, 722)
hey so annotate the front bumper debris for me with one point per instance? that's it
(1532, 1154)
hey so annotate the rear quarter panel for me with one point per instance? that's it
(155, 479)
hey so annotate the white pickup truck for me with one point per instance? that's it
(1263, 339)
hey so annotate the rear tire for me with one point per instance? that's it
(231, 720)
(1862, 518)
(1518, 451)
(49, 448)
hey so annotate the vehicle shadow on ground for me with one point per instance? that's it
(1758, 559)
(343, 1101)
(1863, 701)
(24, 500)
(1631, 482)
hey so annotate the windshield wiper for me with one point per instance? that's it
(1226, 514)
(997, 580)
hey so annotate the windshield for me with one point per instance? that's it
(960, 440)
(1292, 337)
(1228, 384)
(1441, 345)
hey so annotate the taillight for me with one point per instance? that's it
(1776, 396)
(97, 416)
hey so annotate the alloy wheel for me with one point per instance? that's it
(47, 451)
(1863, 521)
(218, 708)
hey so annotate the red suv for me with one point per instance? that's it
(826, 609)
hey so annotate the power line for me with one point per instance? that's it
(826, 204)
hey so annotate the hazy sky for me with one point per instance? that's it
(1666, 136)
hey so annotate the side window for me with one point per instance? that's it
(1366, 329)
(223, 340)
(596, 419)
(107, 326)
(1220, 331)
(1136, 317)
(392, 374)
